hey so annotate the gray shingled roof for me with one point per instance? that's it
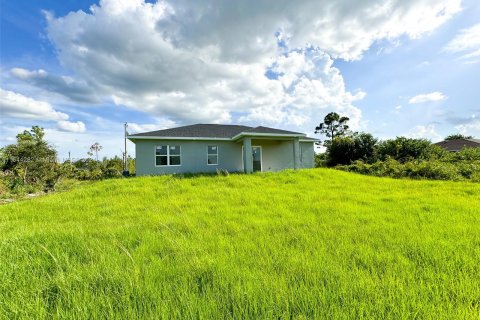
(458, 144)
(261, 129)
(211, 131)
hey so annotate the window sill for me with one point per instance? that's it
(172, 165)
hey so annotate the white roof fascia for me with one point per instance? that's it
(253, 134)
(174, 138)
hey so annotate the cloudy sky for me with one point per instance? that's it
(82, 68)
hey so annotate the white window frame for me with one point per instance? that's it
(167, 155)
(212, 154)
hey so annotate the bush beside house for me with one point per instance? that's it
(401, 158)
(30, 166)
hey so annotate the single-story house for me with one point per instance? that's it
(456, 145)
(211, 147)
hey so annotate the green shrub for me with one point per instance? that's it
(345, 149)
(475, 177)
(30, 163)
(320, 160)
(403, 149)
(111, 173)
(418, 169)
(466, 154)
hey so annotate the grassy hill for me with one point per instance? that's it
(309, 244)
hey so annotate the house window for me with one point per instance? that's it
(212, 155)
(167, 155)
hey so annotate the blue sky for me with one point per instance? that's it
(82, 68)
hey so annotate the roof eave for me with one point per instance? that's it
(238, 136)
(310, 140)
(134, 137)
(257, 134)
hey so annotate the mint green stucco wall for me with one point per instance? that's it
(276, 155)
(307, 156)
(193, 156)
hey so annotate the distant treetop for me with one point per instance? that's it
(457, 136)
(333, 125)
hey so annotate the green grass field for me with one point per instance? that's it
(308, 244)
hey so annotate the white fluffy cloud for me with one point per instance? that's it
(466, 43)
(471, 127)
(427, 97)
(137, 128)
(310, 85)
(17, 105)
(76, 144)
(66, 86)
(70, 126)
(242, 31)
(426, 132)
(218, 61)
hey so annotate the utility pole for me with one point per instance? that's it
(125, 156)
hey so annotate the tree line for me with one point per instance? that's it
(30, 165)
(400, 157)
